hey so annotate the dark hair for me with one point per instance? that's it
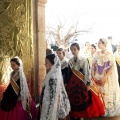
(48, 51)
(86, 43)
(15, 60)
(76, 45)
(102, 41)
(60, 49)
(51, 58)
(93, 46)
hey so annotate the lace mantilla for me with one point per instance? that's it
(55, 100)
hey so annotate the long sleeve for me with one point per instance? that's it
(65, 74)
(69, 75)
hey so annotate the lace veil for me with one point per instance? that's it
(24, 91)
(55, 100)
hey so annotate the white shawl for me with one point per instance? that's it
(55, 102)
(81, 62)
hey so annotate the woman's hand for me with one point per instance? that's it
(88, 87)
(96, 81)
(102, 81)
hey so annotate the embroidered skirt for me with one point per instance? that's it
(84, 104)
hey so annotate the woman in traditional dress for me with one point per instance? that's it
(16, 103)
(92, 51)
(87, 49)
(64, 64)
(117, 58)
(85, 99)
(54, 100)
(104, 73)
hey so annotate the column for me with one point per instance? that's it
(40, 47)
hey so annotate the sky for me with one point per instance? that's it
(101, 16)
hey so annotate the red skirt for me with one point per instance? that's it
(84, 104)
(96, 109)
(18, 113)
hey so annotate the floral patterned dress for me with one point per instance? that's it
(110, 90)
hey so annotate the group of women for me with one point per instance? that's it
(91, 88)
(86, 86)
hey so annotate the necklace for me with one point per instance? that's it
(103, 51)
(102, 55)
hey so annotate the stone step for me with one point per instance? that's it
(105, 118)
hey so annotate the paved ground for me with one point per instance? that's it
(112, 118)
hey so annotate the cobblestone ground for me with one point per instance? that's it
(112, 118)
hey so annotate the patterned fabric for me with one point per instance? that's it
(79, 97)
(84, 104)
(110, 90)
(55, 103)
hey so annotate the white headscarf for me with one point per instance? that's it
(24, 91)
